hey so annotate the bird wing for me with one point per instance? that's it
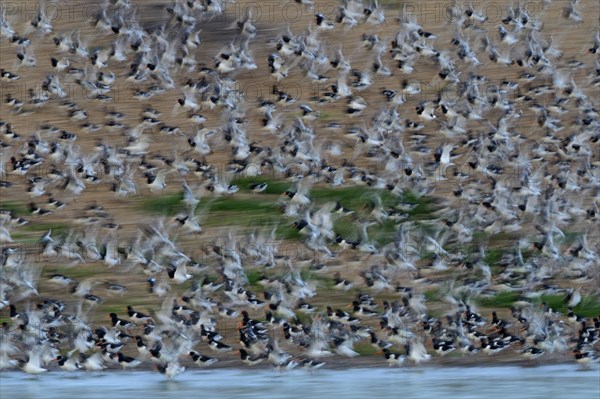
(363, 233)
(34, 357)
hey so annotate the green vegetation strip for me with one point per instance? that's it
(588, 307)
(262, 209)
(17, 208)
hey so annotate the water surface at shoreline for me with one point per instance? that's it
(555, 381)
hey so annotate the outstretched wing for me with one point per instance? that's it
(189, 198)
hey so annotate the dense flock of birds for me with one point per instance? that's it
(460, 148)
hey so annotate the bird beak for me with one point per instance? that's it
(349, 306)
(380, 352)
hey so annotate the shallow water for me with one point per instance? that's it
(556, 381)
